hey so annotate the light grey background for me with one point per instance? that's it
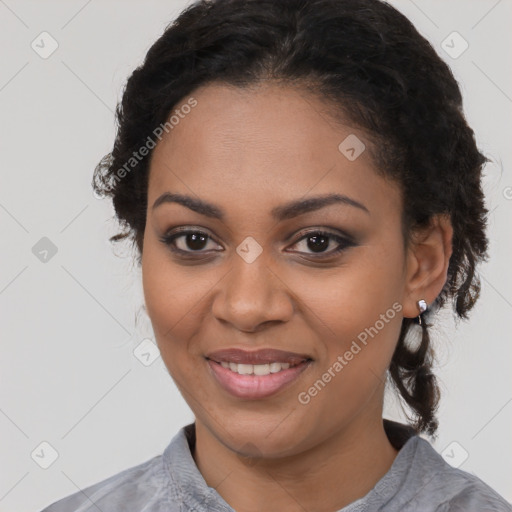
(69, 326)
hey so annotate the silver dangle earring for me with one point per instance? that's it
(422, 306)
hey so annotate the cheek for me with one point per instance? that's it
(171, 295)
(364, 291)
(363, 313)
(357, 310)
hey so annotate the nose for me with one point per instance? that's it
(252, 296)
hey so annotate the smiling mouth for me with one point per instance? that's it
(256, 374)
(257, 369)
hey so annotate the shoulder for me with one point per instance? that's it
(467, 493)
(138, 486)
(450, 488)
(477, 497)
(169, 482)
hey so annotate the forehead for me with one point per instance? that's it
(249, 147)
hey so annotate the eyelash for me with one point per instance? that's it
(344, 242)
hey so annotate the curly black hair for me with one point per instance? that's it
(369, 63)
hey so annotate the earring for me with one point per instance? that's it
(422, 306)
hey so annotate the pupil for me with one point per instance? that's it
(320, 242)
(195, 241)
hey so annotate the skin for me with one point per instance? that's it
(248, 151)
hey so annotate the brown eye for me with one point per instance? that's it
(318, 242)
(187, 241)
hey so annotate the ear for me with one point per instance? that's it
(428, 256)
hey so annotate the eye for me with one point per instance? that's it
(187, 241)
(319, 241)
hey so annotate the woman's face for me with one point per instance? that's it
(258, 275)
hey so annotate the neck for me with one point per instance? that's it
(343, 468)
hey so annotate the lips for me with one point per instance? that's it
(262, 356)
(256, 374)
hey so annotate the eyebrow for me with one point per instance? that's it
(280, 213)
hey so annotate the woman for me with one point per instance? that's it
(304, 194)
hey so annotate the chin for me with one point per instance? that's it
(265, 435)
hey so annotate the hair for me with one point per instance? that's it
(371, 66)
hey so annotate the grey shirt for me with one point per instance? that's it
(419, 480)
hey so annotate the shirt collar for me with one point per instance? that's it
(190, 488)
(188, 484)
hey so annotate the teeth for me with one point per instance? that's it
(261, 369)
(245, 369)
(255, 369)
(275, 367)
